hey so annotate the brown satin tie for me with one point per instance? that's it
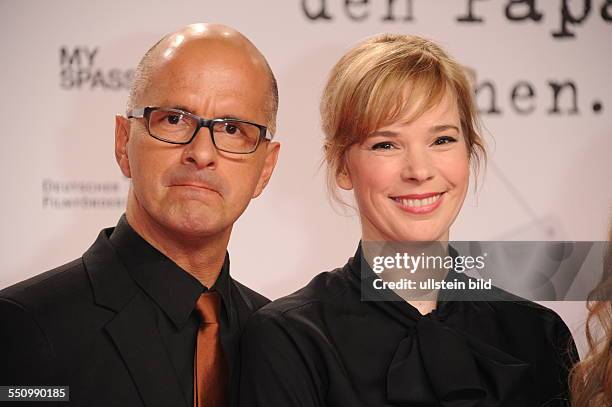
(210, 368)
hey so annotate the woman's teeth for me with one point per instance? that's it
(415, 203)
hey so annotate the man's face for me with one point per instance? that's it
(194, 190)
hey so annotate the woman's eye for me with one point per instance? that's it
(384, 145)
(444, 140)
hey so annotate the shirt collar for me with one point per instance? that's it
(361, 276)
(173, 289)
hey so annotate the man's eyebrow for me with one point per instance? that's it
(188, 110)
(443, 127)
(176, 107)
(232, 117)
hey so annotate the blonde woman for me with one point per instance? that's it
(401, 133)
(592, 378)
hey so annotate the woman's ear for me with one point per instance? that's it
(343, 177)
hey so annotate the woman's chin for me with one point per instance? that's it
(418, 236)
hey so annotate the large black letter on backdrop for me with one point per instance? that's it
(567, 17)
(492, 107)
(391, 16)
(556, 87)
(606, 13)
(532, 12)
(522, 91)
(469, 18)
(348, 4)
(322, 12)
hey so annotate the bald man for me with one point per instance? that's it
(150, 315)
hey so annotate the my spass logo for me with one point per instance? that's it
(78, 70)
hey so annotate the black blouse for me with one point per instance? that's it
(324, 346)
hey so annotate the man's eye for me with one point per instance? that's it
(234, 129)
(173, 118)
(444, 140)
(384, 145)
(230, 129)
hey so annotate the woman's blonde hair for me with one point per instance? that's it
(591, 379)
(381, 79)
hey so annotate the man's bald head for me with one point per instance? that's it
(201, 35)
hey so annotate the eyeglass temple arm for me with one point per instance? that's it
(136, 113)
(268, 135)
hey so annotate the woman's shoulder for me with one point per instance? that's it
(515, 309)
(505, 305)
(325, 289)
(520, 319)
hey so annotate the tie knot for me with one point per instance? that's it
(208, 307)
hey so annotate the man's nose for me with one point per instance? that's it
(201, 152)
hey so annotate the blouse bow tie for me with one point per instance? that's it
(437, 365)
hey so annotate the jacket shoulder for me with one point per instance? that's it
(36, 314)
(40, 290)
(251, 297)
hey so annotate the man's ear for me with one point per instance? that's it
(122, 135)
(272, 149)
(343, 177)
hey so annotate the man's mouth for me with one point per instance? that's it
(196, 186)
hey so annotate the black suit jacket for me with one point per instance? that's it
(87, 325)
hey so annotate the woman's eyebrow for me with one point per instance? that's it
(443, 127)
(384, 133)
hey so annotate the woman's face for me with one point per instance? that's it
(410, 179)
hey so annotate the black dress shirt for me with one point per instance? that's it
(172, 293)
(324, 346)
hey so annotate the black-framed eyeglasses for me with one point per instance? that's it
(179, 127)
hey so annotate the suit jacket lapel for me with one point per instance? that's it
(134, 331)
(134, 328)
